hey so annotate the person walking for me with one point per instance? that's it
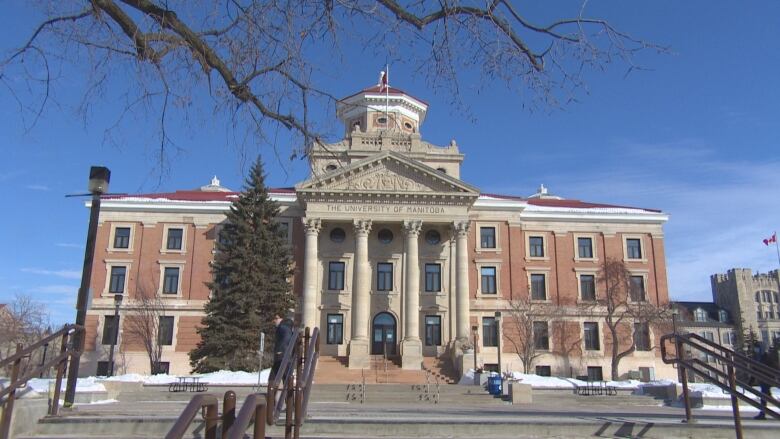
(768, 358)
(282, 339)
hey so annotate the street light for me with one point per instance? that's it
(115, 338)
(99, 178)
(498, 337)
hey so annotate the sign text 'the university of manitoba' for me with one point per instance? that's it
(385, 209)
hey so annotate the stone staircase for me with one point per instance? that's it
(335, 370)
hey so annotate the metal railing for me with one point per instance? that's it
(208, 405)
(20, 376)
(740, 374)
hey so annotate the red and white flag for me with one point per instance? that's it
(383, 81)
(771, 239)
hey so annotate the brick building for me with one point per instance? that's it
(393, 253)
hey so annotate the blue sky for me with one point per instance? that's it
(696, 136)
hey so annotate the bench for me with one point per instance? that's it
(188, 384)
(592, 388)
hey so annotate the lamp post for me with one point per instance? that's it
(498, 339)
(474, 335)
(115, 337)
(99, 178)
(43, 358)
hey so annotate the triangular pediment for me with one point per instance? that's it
(388, 172)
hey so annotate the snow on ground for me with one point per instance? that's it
(90, 384)
(222, 377)
(541, 382)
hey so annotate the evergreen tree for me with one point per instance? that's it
(251, 282)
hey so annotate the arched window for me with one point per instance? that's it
(700, 315)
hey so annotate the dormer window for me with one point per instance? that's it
(723, 316)
(381, 120)
(700, 315)
(330, 167)
(408, 125)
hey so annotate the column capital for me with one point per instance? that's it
(412, 227)
(461, 228)
(312, 225)
(362, 227)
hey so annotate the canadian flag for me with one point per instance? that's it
(771, 239)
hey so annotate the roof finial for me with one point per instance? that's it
(215, 181)
(542, 189)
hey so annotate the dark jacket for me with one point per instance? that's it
(283, 336)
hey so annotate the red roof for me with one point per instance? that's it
(391, 91)
(572, 204)
(194, 195)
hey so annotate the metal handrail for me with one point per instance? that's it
(737, 365)
(254, 408)
(19, 380)
(198, 402)
(312, 357)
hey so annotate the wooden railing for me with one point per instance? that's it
(19, 377)
(209, 405)
(736, 375)
(289, 388)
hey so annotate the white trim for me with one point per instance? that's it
(593, 247)
(164, 245)
(112, 235)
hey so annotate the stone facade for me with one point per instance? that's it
(393, 253)
(753, 300)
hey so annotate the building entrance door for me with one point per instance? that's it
(383, 340)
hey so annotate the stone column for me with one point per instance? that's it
(359, 343)
(411, 347)
(461, 230)
(309, 308)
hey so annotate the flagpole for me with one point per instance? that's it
(387, 95)
(777, 247)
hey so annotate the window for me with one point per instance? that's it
(432, 330)
(109, 330)
(538, 287)
(592, 339)
(165, 331)
(541, 336)
(487, 237)
(700, 315)
(723, 316)
(634, 248)
(637, 287)
(171, 280)
(162, 367)
(432, 278)
(102, 368)
(595, 374)
(332, 167)
(488, 276)
(335, 329)
(585, 248)
(536, 247)
(337, 235)
(174, 239)
(432, 237)
(384, 276)
(758, 296)
(336, 276)
(385, 236)
(730, 338)
(116, 283)
(588, 287)
(122, 237)
(284, 230)
(758, 314)
(489, 332)
(642, 336)
(543, 371)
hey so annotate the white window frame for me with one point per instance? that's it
(642, 248)
(486, 263)
(443, 276)
(594, 247)
(478, 232)
(170, 264)
(644, 275)
(546, 273)
(112, 235)
(164, 246)
(588, 272)
(109, 263)
(545, 240)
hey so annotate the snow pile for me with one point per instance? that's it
(90, 384)
(222, 377)
(542, 382)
